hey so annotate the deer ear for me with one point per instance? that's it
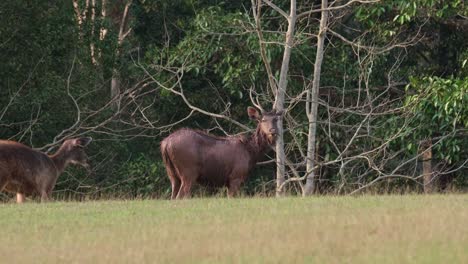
(83, 142)
(253, 113)
(280, 113)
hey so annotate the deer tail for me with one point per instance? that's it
(171, 171)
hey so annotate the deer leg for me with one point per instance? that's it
(44, 197)
(3, 183)
(19, 198)
(184, 191)
(187, 176)
(233, 188)
(175, 182)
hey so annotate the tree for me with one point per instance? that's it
(312, 102)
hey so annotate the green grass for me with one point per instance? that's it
(366, 229)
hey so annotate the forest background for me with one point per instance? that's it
(375, 92)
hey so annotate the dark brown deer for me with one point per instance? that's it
(26, 171)
(192, 156)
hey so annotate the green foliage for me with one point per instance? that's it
(440, 108)
(403, 12)
(143, 177)
(441, 101)
(386, 18)
(215, 46)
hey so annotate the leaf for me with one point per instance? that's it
(410, 146)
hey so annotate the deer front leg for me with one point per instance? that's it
(19, 198)
(233, 188)
(44, 197)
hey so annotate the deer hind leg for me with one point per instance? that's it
(19, 198)
(173, 177)
(3, 183)
(175, 182)
(187, 176)
(185, 190)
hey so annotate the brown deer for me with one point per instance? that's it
(193, 156)
(26, 171)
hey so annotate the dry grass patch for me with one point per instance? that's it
(367, 229)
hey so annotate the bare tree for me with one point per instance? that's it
(283, 79)
(312, 102)
(426, 156)
(373, 103)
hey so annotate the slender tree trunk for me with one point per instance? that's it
(312, 109)
(123, 33)
(427, 166)
(80, 15)
(115, 88)
(279, 99)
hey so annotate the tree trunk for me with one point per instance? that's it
(123, 33)
(115, 89)
(279, 98)
(312, 109)
(427, 166)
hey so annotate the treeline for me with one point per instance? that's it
(391, 101)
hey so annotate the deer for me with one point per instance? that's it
(192, 156)
(26, 171)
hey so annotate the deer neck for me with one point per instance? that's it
(60, 160)
(258, 144)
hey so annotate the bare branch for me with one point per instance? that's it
(123, 23)
(331, 8)
(277, 9)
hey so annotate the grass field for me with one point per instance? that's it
(366, 229)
